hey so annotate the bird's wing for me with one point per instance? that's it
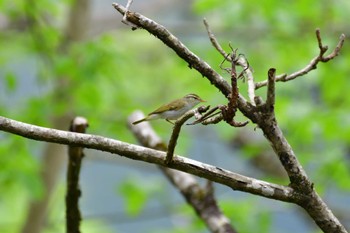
(164, 108)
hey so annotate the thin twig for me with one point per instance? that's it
(229, 111)
(205, 116)
(181, 50)
(127, 10)
(213, 120)
(214, 41)
(242, 61)
(312, 64)
(337, 49)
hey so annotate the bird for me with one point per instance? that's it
(173, 110)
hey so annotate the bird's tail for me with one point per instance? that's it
(139, 121)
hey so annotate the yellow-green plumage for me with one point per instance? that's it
(174, 109)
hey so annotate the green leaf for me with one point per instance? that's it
(11, 81)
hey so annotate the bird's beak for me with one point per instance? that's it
(203, 100)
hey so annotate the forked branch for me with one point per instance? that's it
(313, 63)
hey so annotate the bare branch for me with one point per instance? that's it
(214, 41)
(206, 116)
(177, 128)
(312, 203)
(216, 174)
(181, 50)
(200, 198)
(270, 99)
(73, 216)
(229, 111)
(312, 64)
(125, 20)
(242, 61)
(337, 49)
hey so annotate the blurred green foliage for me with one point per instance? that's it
(136, 192)
(106, 77)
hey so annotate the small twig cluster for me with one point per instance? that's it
(227, 112)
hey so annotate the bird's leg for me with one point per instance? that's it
(170, 121)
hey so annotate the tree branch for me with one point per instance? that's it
(75, 156)
(270, 99)
(215, 42)
(241, 61)
(313, 63)
(265, 119)
(216, 174)
(177, 128)
(181, 50)
(200, 198)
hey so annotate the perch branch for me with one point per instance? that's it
(200, 198)
(215, 174)
(176, 131)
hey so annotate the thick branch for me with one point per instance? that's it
(216, 174)
(182, 51)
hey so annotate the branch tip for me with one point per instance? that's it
(270, 99)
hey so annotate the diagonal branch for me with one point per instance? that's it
(216, 174)
(242, 61)
(176, 131)
(181, 50)
(215, 42)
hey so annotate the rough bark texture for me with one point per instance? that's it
(216, 174)
(75, 157)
